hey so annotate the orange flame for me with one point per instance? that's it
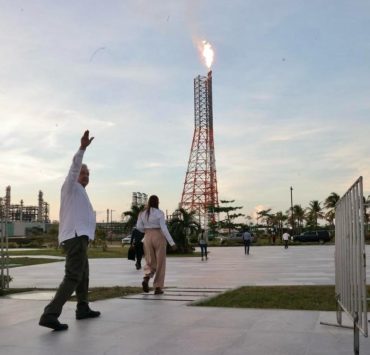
(208, 53)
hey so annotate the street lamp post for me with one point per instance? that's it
(291, 206)
(111, 226)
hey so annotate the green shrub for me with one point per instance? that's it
(12, 245)
(193, 239)
(33, 244)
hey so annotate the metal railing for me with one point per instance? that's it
(350, 260)
(4, 255)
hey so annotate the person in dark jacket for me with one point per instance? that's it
(203, 245)
(247, 239)
(136, 241)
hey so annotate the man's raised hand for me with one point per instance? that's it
(85, 140)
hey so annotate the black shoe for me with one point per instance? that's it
(158, 291)
(145, 284)
(138, 266)
(87, 313)
(52, 323)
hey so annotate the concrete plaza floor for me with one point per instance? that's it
(154, 325)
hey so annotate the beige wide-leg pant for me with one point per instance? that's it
(155, 245)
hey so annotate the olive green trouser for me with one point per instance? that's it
(76, 277)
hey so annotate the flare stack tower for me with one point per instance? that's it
(200, 187)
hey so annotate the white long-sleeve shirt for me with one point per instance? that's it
(156, 220)
(76, 215)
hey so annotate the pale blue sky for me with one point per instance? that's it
(291, 88)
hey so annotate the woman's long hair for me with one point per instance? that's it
(152, 202)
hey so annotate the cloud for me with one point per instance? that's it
(302, 121)
(293, 134)
(128, 183)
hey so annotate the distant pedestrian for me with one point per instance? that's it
(247, 239)
(151, 221)
(203, 245)
(286, 237)
(76, 228)
(274, 238)
(136, 241)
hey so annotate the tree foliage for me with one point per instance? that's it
(228, 222)
(130, 217)
(330, 203)
(100, 239)
(182, 226)
(314, 213)
(299, 218)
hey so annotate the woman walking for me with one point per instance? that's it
(151, 221)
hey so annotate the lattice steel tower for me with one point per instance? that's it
(200, 186)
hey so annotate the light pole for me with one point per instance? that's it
(291, 206)
(111, 226)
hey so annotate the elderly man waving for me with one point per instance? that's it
(76, 228)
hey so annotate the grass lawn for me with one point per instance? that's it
(316, 298)
(5, 292)
(25, 261)
(92, 252)
(95, 293)
(103, 293)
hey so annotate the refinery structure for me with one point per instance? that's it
(139, 199)
(200, 192)
(15, 219)
(23, 213)
(18, 217)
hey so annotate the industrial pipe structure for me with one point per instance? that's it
(200, 192)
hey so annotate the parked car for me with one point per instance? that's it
(322, 236)
(126, 240)
(236, 237)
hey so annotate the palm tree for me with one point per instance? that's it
(264, 216)
(299, 216)
(278, 222)
(130, 217)
(182, 225)
(330, 204)
(314, 213)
